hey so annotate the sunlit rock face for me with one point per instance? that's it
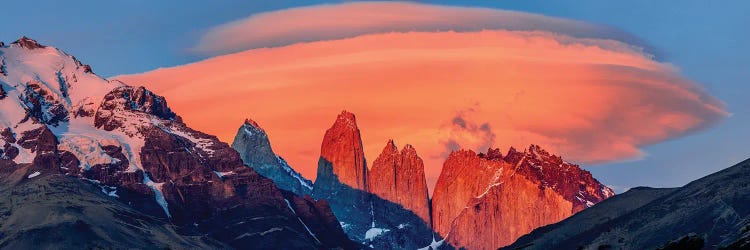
(486, 200)
(342, 176)
(342, 150)
(399, 177)
(377, 212)
(255, 150)
(465, 175)
(481, 201)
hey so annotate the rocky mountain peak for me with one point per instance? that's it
(252, 123)
(255, 150)
(342, 175)
(487, 196)
(346, 119)
(390, 148)
(342, 151)
(28, 43)
(397, 179)
(252, 128)
(492, 154)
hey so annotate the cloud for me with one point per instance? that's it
(463, 132)
(337, 21)
(590, 100)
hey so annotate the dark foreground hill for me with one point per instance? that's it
(64, 212)
(710, 213)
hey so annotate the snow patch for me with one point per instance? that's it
(374, 232)
(273, 229)
(289, 205)
(202, 143)
(32, 175)
(434, 244)
(158, 195)
(302, 181)
(88, 150)
(80, 137)
(222, 174)
(248, 131)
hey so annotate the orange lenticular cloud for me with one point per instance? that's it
(345, 20)
(589, 100)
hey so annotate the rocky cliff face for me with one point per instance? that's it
(342, 152)
(255, 150)
(486, 201)
(465, 175)
(481, 201)
(399, 177)
(373, 211)
(342, 176)
(58, 118)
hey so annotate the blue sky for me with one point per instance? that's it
(708, 41)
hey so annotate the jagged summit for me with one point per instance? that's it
(492, 154)
(343, 153)
(487, 200)
(28, 43)
(251, 127)
(255, 150)
(251, 122)
(408, 148)
(399, 177)
(345, 118)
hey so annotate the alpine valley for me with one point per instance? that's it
(92, 163)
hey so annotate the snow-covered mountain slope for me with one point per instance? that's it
(710, 213)
(255, 149)
(58, 117)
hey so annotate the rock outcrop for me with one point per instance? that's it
(342, 152)
(342, 176)
(380, 213)
(255, 150)
(28, 43)
(465, 175)
(486, 201)
(399, 177)
(481, 201)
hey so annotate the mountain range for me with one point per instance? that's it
(480, 201)
(92, 163)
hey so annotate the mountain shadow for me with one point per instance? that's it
(371, 220)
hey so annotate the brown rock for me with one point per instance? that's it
(39, 140)
(28, 43)
(399, 178)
